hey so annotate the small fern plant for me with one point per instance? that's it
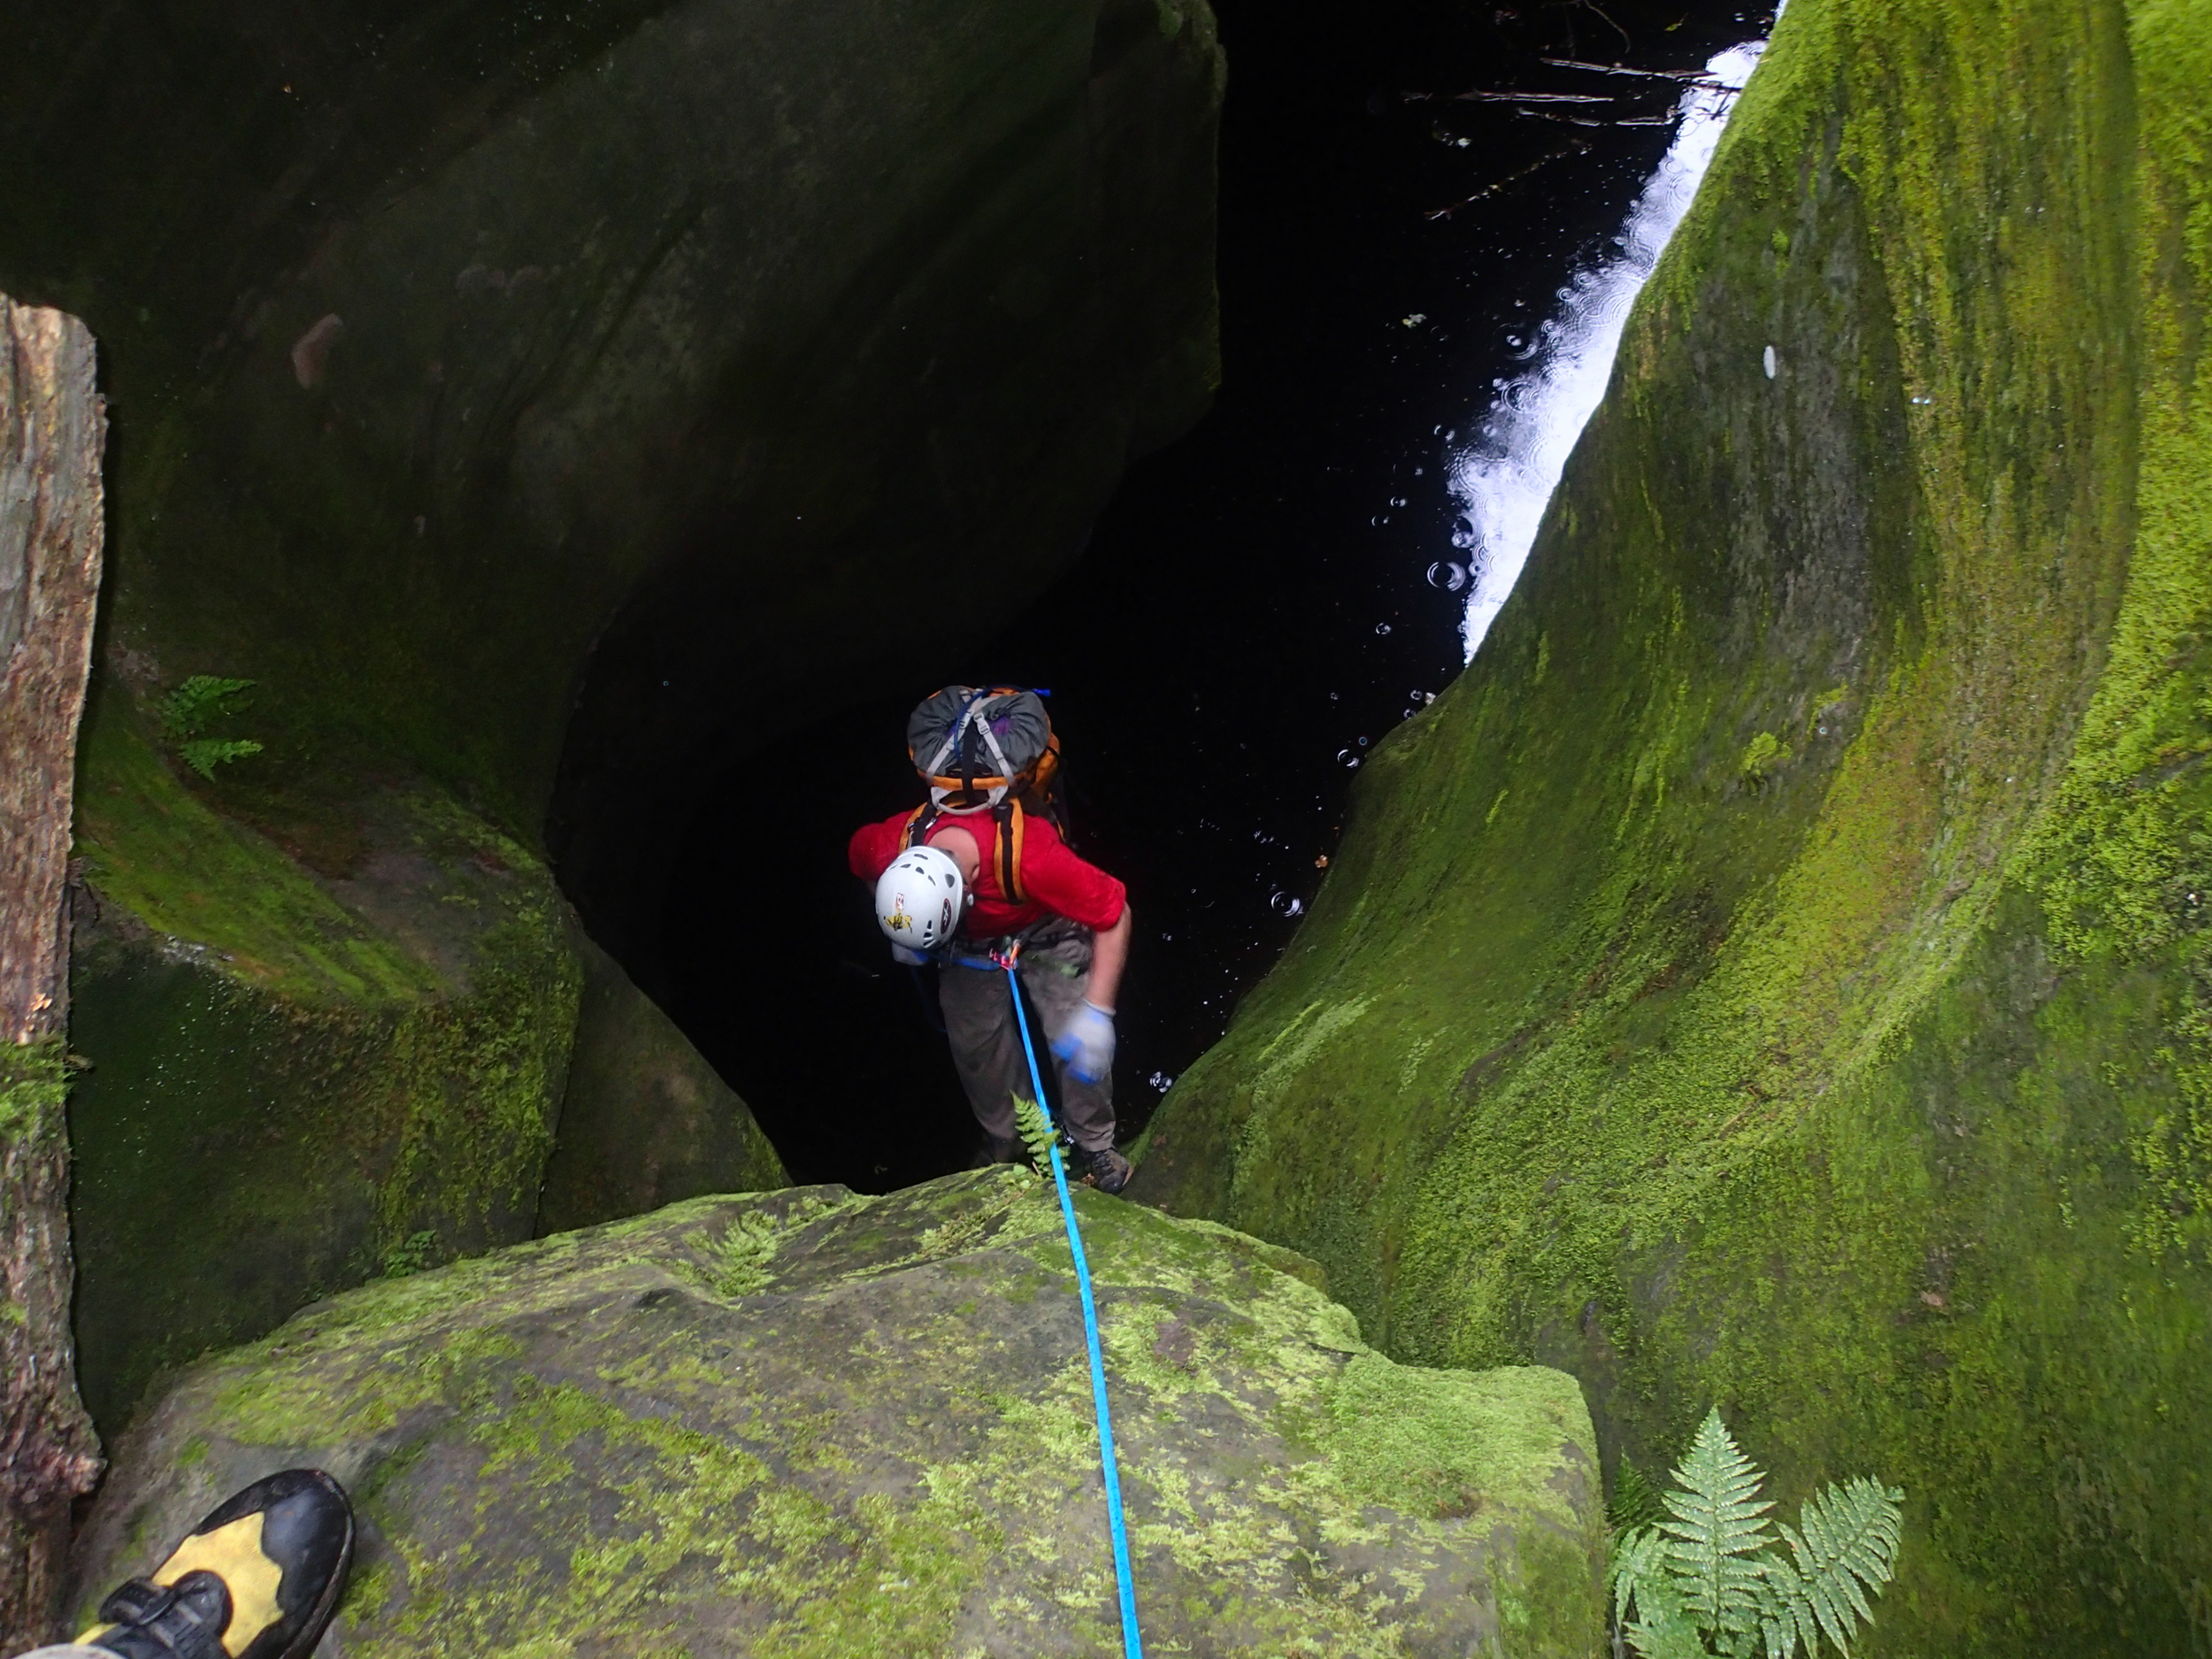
(1039, 1134)
(185, 712)
(1711, 1581)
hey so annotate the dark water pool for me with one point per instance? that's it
(1254, 609)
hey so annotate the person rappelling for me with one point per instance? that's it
(979, 878)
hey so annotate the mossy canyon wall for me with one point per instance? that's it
(511, 392)
(1776, 972)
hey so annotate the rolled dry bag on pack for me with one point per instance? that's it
(976, 744)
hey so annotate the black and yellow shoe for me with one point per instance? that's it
(259, 1579)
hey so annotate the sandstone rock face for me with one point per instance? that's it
(1773, 973)
(300, 1078)
(510, 380)
(502, 382)
(645, 1120)
(810, 1423)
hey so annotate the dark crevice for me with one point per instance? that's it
(1250, 604)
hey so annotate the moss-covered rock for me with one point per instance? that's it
(299, 1077)
(813, 1424)
(645, 1120)
(1774, 974)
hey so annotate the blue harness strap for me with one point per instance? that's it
(1132, 1647)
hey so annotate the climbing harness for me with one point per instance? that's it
(1132, 1647)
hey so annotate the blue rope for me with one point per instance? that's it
(1131, 1645)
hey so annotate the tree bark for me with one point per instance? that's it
(53, 424)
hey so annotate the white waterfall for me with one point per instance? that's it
(1504, 476)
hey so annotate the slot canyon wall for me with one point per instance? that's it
(530, 401)
(1776, 972)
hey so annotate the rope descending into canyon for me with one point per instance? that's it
(1132, 1647)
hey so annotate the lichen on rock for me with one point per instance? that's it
(810, 1423)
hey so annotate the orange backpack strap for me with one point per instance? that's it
(917, 824)
(1010, 821)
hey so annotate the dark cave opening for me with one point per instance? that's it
(1252, 604)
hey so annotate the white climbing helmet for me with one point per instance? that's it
(920, 899)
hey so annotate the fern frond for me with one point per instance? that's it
(1636, 1502)
(1719, 1526)
(1647, 1602)
(186, 709)
(1638, 1558)
(1850, 1539)
(1039, 1134)
(204, 755)
(1671, 1635)
(1786, 1610)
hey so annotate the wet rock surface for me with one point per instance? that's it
(811, 1423)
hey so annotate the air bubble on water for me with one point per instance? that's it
(1382, 627)
(1448, 575)
(1285, 905)
(1363, 742)
(1161, 1081)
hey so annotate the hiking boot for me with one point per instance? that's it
(259, 1579)
(1107, 1169)
(990, 1150)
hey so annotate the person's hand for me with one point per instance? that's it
(909, 958)
(1087, 1044)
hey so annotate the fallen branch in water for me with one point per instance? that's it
(1575, 149)
(1482, 96)
(1667, 119)
(1695, 76)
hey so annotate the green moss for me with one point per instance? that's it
(34, 1088)
(877, 1439)
(158, 849)
(297, 1080)
(1761, 754)
(1874, 1103)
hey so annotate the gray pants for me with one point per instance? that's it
(986, 1049)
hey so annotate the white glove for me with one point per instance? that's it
(909, 958)
(1087, 1044)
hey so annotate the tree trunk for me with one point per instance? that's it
(52, 426)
